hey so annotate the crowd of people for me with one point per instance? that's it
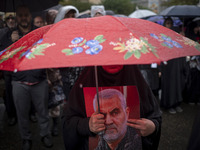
(43, 94)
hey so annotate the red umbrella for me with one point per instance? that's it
(96, 41)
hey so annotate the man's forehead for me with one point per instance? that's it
(110, 103)
(23, 11)
(110, 98)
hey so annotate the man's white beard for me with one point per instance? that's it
(110, 137)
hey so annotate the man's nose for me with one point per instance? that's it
(109, 119)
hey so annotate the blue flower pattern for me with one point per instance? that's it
(3, 51)
(92, 47)
(38, 42)
(92, 43)
(154, 36)
(77, 50)
(28, 52)
(168, 44)
(176, 44)
(166, 41)
(94, 50)
(77, 40)
(25, 53)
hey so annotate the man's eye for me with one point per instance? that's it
(115, 112)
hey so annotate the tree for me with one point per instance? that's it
(119, 6)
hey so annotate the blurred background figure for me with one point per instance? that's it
(173, 79)
(38, 21)
(29, 86)
(10, 20)
(192, 94)
(97, 10)
(193, 31)
(66, 12)
(151, 76)
(50, 16)
(194, 140)
(168, 23)
(70, 74)
(193, 91)
(1, 21)
(5, 33)
(56, 97)
(67, 76)
(5, 41)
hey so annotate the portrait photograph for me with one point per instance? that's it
(117, 104)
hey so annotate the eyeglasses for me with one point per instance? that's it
(8, 18)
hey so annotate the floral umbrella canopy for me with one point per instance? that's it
(105, 40)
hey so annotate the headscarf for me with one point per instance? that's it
(97, 9)
(63, 10)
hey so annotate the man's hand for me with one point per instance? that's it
(145, 126)
(96, 123)
(14, 36)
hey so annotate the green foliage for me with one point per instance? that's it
(81, 6)
(119, 6)
(180, 2)
(100, 39)
(128, 55)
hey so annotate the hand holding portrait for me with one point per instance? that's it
(145, 126)
(96, 122)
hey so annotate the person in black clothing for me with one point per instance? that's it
(76, 128)
(194, 140)
(173, 77)
(5, 41)
(192, 94)
(30, 86)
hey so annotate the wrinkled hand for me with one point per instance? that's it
(96, 123)
(14, 36)
(145, 126)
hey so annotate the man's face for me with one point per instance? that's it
(115, 118)
(24, 17)
(38, 22)
(10, 21)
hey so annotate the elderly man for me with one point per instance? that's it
(115, 112)
(10, 20)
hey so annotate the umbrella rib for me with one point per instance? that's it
(122, 23)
